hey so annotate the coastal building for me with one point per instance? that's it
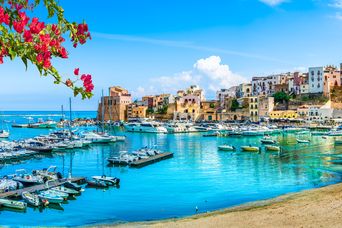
(264, 85)
(196, 91)
(244, 90)
(265, 106)
(149, 101)
(208, 110)
(222, 94)
(332, 78)
(300, 83)
(136, 111)
(304, 88)
(114, 106)
(316, 75)
(253, 109)
(303, 112)
(187, 107)
(284, 114)
(313, 112)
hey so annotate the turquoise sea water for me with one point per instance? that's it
(198, 175)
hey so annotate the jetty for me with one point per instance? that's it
(152, 159)
(40, 187)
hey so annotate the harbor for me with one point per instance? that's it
(194, 163)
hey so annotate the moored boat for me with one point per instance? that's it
(303, 141)
(50, 197)
(268, 140)
(13, 204)
(107, 180)
(272, 148)
(250, 148)
(65, 190)
(31, 199)
(226, 148)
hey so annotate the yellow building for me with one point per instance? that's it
(253, 109)
(285, 114)
(209, 110)
(137, 111)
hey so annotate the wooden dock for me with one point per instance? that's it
(40, 187)
(150, 160)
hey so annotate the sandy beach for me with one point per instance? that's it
(320, 207)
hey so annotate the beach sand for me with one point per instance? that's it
(320, 207)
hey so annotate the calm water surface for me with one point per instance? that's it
(198, 175)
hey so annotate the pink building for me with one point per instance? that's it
(332, 78)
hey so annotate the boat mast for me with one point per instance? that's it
(103, 110)
(70, 120)
(62, 109)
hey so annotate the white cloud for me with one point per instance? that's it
(273, 2)
(336, 4)
(220, 76)
(209, 73)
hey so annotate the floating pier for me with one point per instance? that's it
(151, 160)
(40, 187)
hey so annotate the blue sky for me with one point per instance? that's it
(151, 46)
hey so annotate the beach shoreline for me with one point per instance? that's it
(318, 207)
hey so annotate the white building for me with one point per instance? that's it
(316, 75)
(222, 94)
(264, 85)
(326, 112)
(244, 90)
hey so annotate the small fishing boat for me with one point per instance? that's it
(303, 141)
(273, 148)
(73, 186)
(226, 148)
(50, 197)
(13, 204)
(250, 148)
(56, 193)
(31, 199)
(97, 184)
(107, 180)
(65, 190)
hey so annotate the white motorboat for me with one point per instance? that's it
(145, 127)
(268, 140)
(4, 134)
(303, 141)
(108, 180)
(27, 179)
(96, 138)
(226, 148)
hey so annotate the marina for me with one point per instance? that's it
(35, 188)
(294, 167)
